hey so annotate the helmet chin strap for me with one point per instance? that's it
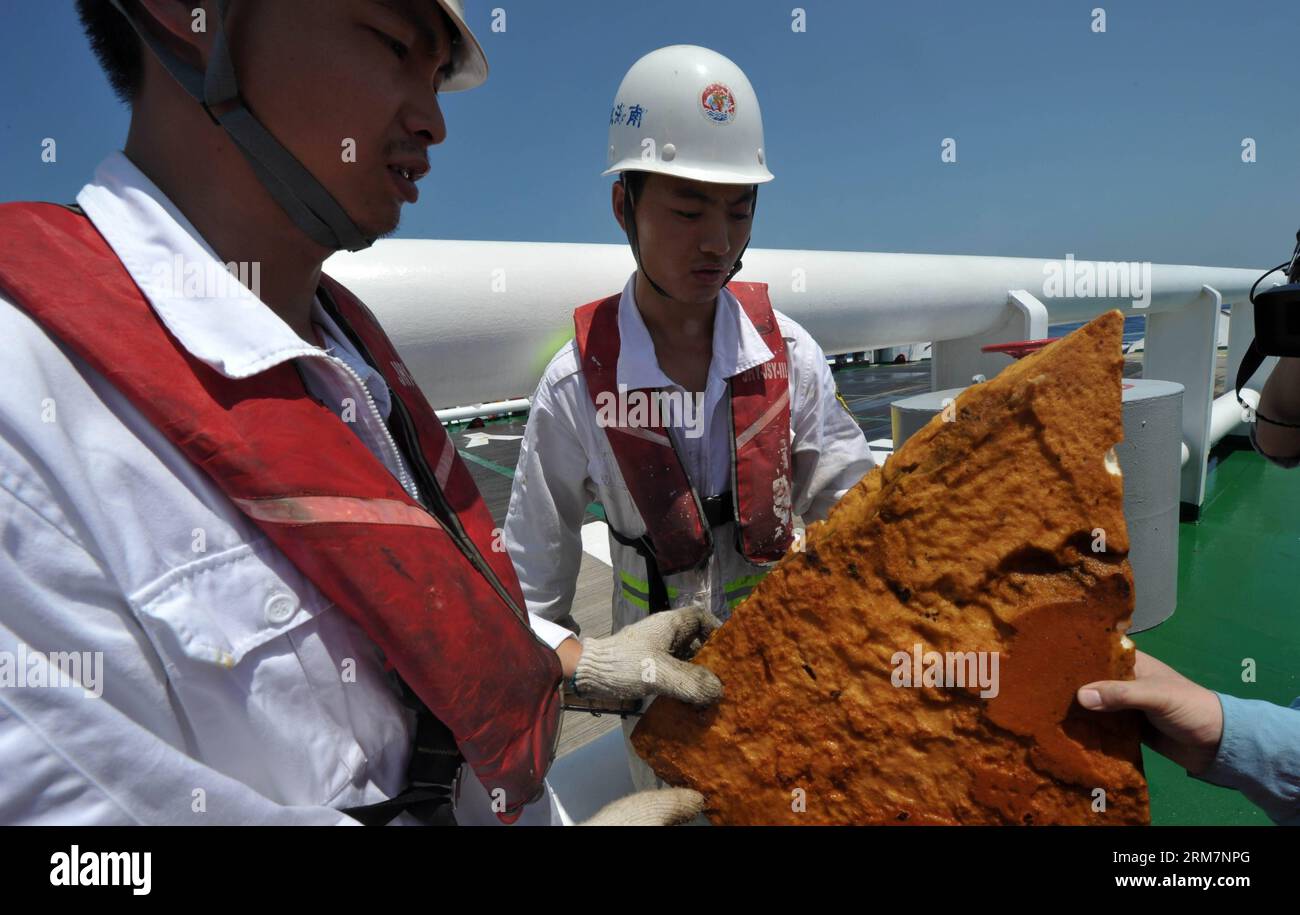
(311, 207)
(629, 220)
(753, 208)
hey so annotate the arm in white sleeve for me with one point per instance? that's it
(69, 758)
(543, 529)
(550, 633)
(830, 451)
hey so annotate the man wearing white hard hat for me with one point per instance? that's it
(702, 420)
(247, 578)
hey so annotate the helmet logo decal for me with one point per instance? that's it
(628, 115)
(718, 103)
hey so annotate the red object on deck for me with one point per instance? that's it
(1019, 349)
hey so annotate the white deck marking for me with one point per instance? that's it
(595, 541)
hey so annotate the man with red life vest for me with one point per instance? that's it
(247, 578)
(699, 418)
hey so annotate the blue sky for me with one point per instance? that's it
(1122, 145)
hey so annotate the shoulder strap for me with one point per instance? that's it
(678, 538)
(760, 449)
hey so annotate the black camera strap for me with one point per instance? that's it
(1255, 354)
(1250, 363)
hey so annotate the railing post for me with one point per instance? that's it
(954, 362)
(1181, 346)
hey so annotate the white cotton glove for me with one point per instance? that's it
(663, 807)
(643, 660)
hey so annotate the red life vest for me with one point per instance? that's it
(447, 612)
(760, 453)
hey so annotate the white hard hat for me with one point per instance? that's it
(469, 65)
(688, 111)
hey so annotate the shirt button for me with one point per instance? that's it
(280, 608)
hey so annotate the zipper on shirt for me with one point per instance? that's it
(440, 509)
(446, 514)
(403, 477)
(705, 568)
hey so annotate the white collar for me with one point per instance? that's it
(224, 324)
(737, 345)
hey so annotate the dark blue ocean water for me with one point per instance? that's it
(1135, 327)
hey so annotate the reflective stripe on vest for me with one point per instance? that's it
(759, 406)
(446, 610)
(739, 589)
(637, 591)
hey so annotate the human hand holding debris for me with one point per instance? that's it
(663, 807)
(1186, 718)
(647, 659)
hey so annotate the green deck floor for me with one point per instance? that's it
(1238, 597)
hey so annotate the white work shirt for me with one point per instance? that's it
(565, 462)
(233, 691)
